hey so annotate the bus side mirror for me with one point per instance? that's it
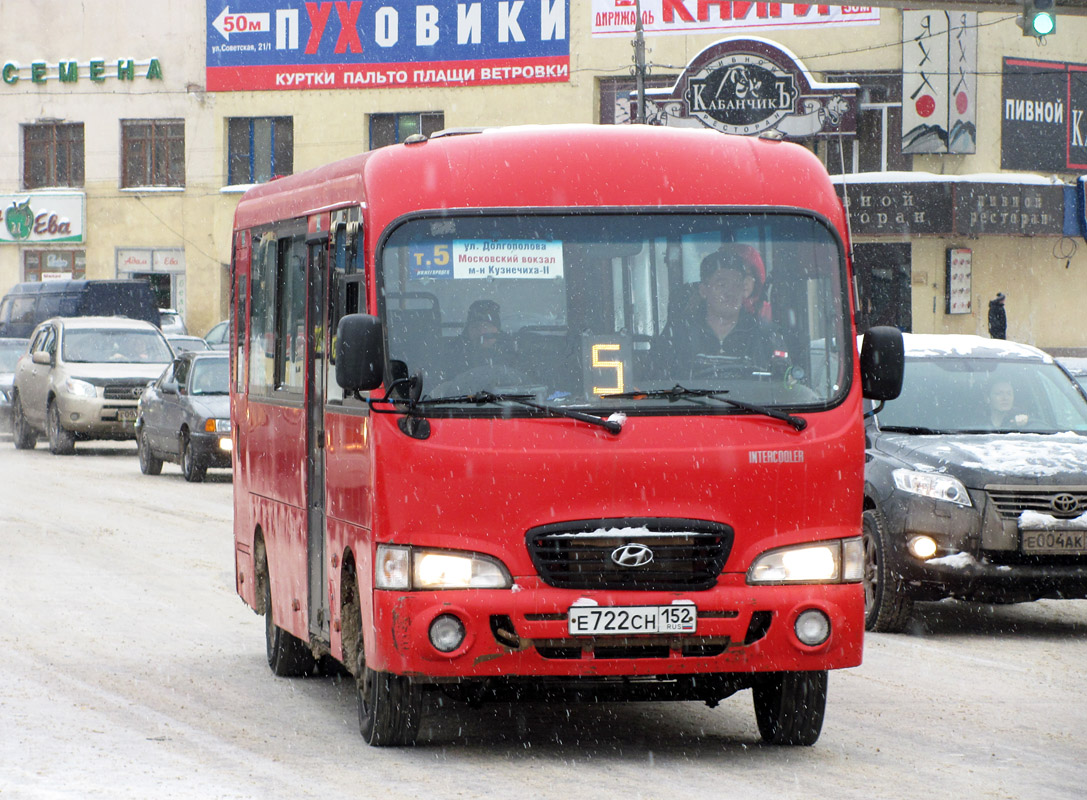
(360, 357)
(883, 362)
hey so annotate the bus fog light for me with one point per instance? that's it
(923, 547)
(446, 633)
(812, 627)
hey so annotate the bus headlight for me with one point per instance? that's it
(835, 561)
(407, 568)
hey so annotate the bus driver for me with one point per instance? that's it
(723, 328)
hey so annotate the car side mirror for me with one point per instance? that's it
(42, 357)
(360, 355)
(883, 363)
(169, 388)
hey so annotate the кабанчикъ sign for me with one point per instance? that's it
(753, 87)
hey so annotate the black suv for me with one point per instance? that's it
(975, 480)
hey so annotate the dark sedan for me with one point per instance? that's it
(975, 481)
(184, 416)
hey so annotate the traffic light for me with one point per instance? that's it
(1039, 18)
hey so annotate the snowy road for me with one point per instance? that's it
(132, 670)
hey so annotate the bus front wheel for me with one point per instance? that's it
(789, 707)
(288, 656)
(389, 707)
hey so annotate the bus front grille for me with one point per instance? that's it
(638, 554)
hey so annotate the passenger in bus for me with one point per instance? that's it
(482, 342)
(722, 327)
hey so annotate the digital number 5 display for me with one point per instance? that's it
(607, 364)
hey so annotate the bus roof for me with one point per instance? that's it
(554, 166)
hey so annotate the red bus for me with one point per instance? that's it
(495, 436)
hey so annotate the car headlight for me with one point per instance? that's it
(935, 485)
(403, 567)
(834, 561)
(217, 425)
(78, 388)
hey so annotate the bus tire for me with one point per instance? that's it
(61, 440)
(789, 707)
(887, 605)
(191, 466)
(389, 707)
(22, 433)
(288, 656)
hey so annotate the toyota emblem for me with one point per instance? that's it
(632, 555)
(1065, 503)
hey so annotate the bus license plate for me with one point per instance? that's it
(629, 620)
(1055, 542)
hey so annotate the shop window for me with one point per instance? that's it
(259, 149)
(152, 152)
(52, 154)
(877, 146)
(615, 96)
(43, 265)
(386, 129)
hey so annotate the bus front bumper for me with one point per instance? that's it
(526, 632)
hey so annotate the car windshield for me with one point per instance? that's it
(9, 354)
(577, 309)
(983, 395)
(117, 346)
(209, 376)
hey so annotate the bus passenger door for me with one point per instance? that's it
(317, 341)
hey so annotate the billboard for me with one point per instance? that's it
(1042, 122)
(300, 45)
(662, 17)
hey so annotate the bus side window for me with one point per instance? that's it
(346, 295)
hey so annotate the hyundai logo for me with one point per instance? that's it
(632, 555)
(1064, 503)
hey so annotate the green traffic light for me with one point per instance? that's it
(1043, 23)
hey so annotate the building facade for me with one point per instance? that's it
(131, 128)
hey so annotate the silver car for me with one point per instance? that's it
(10, 350)
(81, 379)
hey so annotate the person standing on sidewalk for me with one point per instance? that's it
(998, 317)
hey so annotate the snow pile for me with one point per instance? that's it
(1036, 521)
(1027, 454)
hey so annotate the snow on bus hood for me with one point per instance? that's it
(989, 458)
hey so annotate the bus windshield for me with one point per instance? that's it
(611, 310)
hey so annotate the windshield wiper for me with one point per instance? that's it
(919, 430)
(485, 397)
(678, 392)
